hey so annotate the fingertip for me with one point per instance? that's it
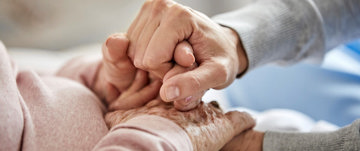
(117, 45)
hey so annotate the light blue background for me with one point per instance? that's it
(322, 92)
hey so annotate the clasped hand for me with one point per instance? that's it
(130, 92)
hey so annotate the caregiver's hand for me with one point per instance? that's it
(207, 126)
(158, 29)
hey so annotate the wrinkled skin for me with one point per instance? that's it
(206, 125)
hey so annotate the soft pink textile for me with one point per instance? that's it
(147, 132)
(60, 112)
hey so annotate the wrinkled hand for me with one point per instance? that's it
(206, 125)
(119, 83)
(157, 31)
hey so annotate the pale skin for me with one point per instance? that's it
(249, 140)
(158, 29)
(127, 100)
(117, 73)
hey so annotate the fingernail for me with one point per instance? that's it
(172, 93)
(188, 99)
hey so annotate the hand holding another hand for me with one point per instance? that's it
(119, 83)
(163, 25)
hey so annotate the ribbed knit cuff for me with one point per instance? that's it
(277, 33)
(347, 138)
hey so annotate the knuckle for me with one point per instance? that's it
(150, 62)
(138, 63)
(222, 73)
(147, 4)
(158, 7)
(178, 10)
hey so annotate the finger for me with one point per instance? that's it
(161, 71)
(143, 10)
(183, 54)
(152, 23)
(142, 43)
(118, 67)
(177, 69)
(116, 48)
(111, 93)
(189, 102)
(180, 86)
(141, 80)
(240, 121)
(172, 29)
(147, 94)
(137, 26)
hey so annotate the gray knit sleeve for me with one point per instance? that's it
(288, 31)
(347, 138)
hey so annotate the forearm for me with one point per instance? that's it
(347, 138)
(288, 31)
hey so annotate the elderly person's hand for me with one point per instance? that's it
(160, 26)
(206, 125)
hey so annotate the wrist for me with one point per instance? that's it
(256, 138)
(249, 140)
(240, 51)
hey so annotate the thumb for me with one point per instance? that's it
(183, 54)
(240, 121)
(190, 83)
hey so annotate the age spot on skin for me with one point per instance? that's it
(215, 104)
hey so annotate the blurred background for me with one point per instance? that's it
(54, 25)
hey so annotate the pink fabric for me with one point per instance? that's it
(147, 132)
(60, 112)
